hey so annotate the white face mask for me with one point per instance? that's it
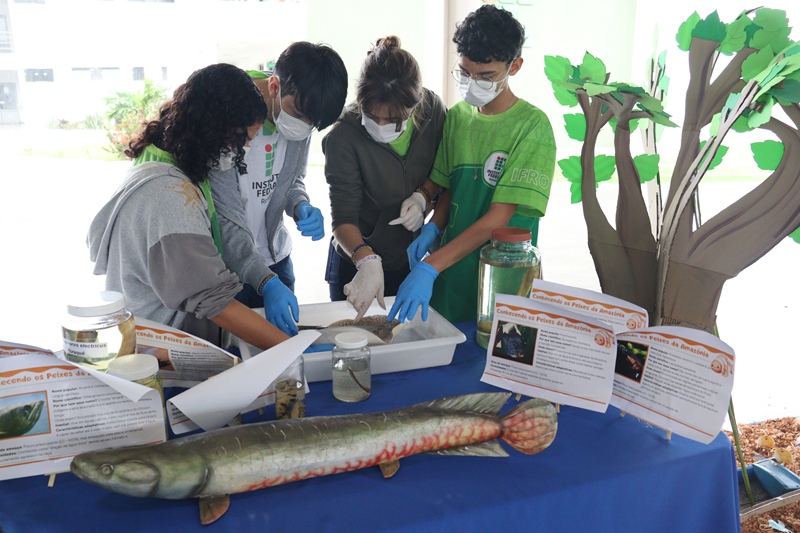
(383, 134)
(290, 127)
(477, 96)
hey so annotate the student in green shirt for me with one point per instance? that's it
(495, 165)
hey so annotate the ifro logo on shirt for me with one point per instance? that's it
(493, 167)
(269, 158)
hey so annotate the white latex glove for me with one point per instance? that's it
(367, 285)
(412, 212)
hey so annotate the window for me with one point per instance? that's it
(38, 74)
(8, 96)
(5, 36)
(96, 73)
(138, 73)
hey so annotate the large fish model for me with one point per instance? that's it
(18, 419)
(212, 465)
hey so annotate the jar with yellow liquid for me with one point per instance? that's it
(97, 329)
(508, 265)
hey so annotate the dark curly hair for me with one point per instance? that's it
(489, 34)
(389, 76)
(208, 114)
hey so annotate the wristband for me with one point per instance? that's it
(367, 258)
(425, 194)
(264, 282)
(360, 246)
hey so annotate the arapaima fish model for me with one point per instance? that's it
(212, 465)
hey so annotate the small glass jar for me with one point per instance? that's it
(508, 265)
(352, 376)
(97, 329)
(290, 392)
(140, 368)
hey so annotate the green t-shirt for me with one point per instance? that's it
(505, 158)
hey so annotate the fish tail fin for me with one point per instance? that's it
(531, 426)
(488, 403)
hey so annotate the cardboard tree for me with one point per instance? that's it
(678, 277)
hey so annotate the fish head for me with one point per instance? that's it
(19, 419)
(143, 471)
(117, 472)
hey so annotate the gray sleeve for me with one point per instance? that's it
(187, 274)
(238, 245)
(344, 178)
(299, 162)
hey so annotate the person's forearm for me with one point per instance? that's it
(249, 326)
(442, 210)
(471, 238)
(348, 236)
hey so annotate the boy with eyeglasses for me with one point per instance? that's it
(495, 165)
(306, 90)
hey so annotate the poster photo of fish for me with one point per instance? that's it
(514, 342)
(24, 415)
(162, 354)
(631, 358)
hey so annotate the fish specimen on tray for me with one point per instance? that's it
(377, 330)
(212, 465)
(18, 419)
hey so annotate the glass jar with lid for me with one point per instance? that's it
(97, 329)
(352, 375)
(508, 265)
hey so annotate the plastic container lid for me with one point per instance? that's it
(511, 235)
(96, 304)
(134, 366)
(350, 340)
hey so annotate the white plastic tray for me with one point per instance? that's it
(424, 344)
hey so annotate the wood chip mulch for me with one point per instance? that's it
(786, 434)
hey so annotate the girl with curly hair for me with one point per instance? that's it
(157, 239)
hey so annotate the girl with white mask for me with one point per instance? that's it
(377, 157)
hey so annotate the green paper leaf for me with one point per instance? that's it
(768, 86)
(768, 74)
(571, 168)
(651, 103)
(762, 116)
(710, 28)
(756, 63)
(593, 89)
(735, 36)
(663, 84)
(647, 165)
(771, 19)
(721, 151)
(767, 154)
(627, 88)
(633, 124)
(659, 117)
(564, 96)
(788, 92)
(684, 36)
(795, 235)
(604, 167)
(662, 59)
(741, 125)
(730, 103)
(576, 196)
(557, 68)
(777, 40)
(592, 69)
(715, 120)
(575, 125)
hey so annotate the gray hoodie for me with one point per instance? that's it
(153, 242)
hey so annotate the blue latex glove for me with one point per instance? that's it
(314, 348)
(309, 221)
(414, 292)
(417, 249)
(280, 306)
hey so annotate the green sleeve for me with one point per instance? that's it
(440, 174)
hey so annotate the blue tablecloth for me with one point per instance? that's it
(603, 473)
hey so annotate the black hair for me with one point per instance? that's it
(208, 114)
(489, 34)
(389, 76)
(317, 78)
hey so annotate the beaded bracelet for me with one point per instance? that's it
(360, 246)
(425, 194)
(264, 281)
(365, 259)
